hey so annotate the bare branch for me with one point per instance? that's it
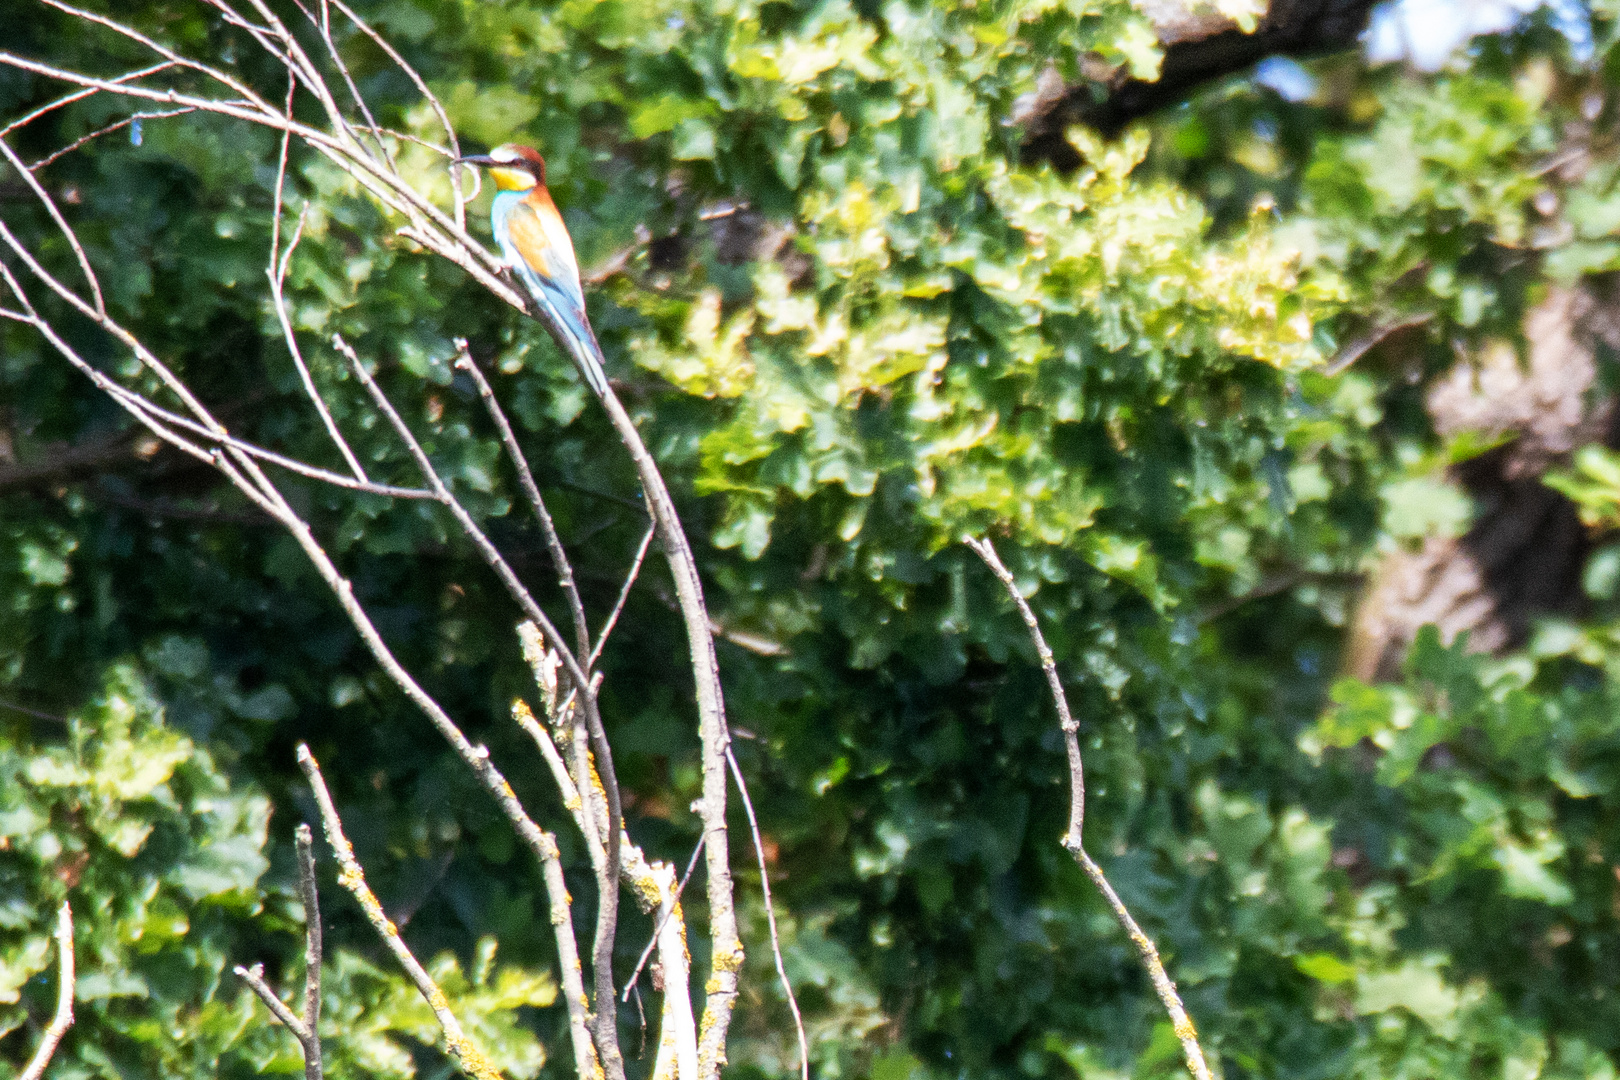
(61, 223)
(559, 556)
(108, 130)
(254, 977)
(353, 878)
(624, 594)
(312, 951)
(770, 916)
(305, 1029)
(65, 983)
(324, 26)
(77, 95)
(236, 86)
(726, 956)
(277, 273)
(432, 99)
(1072, 841)
(608, 902)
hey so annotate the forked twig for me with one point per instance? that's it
(1180, 1022)
(64, 997)
(307, 1028)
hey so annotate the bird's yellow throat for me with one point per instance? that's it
(511, 179)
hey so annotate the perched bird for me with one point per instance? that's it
(535, 242)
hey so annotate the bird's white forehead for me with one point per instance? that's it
(503, 154)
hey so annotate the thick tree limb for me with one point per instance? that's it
(1295, 28)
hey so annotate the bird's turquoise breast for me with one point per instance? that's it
(505, 202)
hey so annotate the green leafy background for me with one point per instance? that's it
(856, 325)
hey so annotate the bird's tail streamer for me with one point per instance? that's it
(587, 354)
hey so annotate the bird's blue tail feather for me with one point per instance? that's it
(581, 344)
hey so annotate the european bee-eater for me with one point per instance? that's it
(532, 236)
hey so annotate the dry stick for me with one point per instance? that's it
(770, 915)
(1072, 842)
(77, 95)
(108, 130)
(726, 956)
(277, 273)
(353, 878)
(559, 556)
(64, 997)
(312, 950)
(61, 223)
(606, 1026)
(624, 594)
(305, 1029)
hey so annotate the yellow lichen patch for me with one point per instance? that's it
(471, 1059)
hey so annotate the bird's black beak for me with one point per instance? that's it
(475, 159)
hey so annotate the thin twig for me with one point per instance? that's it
(312, 951)
(1180, 1022)
(770, 915)
(66, 982)
(608, 878)
(61, 223)
(691, 865)
(108, 130)
(324, 25)
(432, 99)
(277, 273)
(254, 977)
(353, 878)
(77, 95)
(624, 594)
(559, 555)
(1362, 345)
(1077, 773)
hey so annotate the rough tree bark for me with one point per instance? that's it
(1522, 557)
(1199, 48)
